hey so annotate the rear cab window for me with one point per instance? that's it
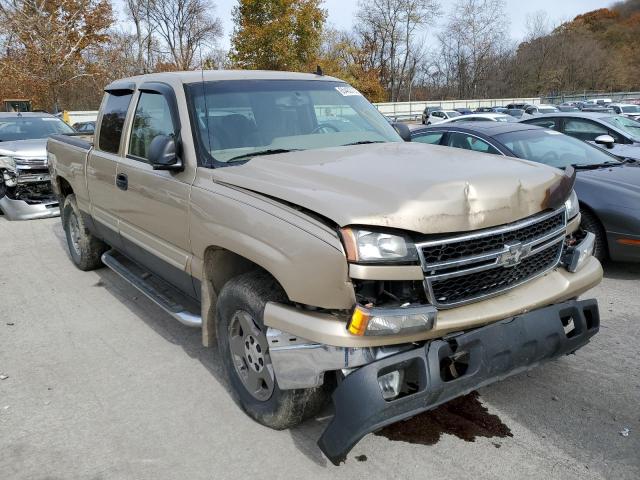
(114, 113)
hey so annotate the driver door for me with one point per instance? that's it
(153, 205)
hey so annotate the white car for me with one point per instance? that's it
(481, 117)
(440, 116)
(626, 109)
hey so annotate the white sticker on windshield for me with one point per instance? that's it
(347, 91)
(48, 119)
(552, 132)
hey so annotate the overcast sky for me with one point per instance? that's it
(341, 12)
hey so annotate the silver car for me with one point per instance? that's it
(25, 187)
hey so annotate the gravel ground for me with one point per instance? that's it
(103, 385)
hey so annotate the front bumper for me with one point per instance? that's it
(493, 352)
(21, 210)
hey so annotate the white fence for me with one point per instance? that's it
(410, 110)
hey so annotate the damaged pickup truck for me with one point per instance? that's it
(283, 215)
(25, 189)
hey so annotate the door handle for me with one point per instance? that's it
(122, 182)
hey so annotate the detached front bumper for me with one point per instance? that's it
(21, 210)
(488, 354)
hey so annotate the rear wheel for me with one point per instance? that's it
(245, 354)
(84, 248)
(590, 223)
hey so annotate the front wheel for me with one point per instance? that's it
(590, 223)
(245, 354)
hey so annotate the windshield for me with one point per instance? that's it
(553, 148)
(28, 128)
(627, 125)
(236, 119)
(630, 109)
(453, 113)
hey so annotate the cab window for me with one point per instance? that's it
(152, 118)
(469, 142)
(112, 123)
(432, 138)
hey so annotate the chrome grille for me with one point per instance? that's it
(472, 267)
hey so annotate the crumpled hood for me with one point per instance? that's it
(410, 186)
(31, 149)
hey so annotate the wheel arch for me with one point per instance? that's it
(219, 266)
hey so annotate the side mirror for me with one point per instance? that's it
(403, 131)
(163, 154)
(606, 140)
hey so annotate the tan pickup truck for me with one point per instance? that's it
(282, 214)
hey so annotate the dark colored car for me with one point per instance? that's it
(619, 135)
(608, 189)
(484, 110)
(521, 106)
(463, 110)
(428, 111)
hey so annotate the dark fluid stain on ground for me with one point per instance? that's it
(361, 458)
(464, 417)
(99, 283)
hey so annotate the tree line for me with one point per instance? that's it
(61, 53)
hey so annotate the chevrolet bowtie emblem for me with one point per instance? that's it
(513, 253)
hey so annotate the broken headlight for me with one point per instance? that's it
(377, 247)
(8, 171)
(572, 205)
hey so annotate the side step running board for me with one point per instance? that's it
(175, 303)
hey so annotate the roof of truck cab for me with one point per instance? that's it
(217, 75)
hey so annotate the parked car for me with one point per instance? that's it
(608, 189)
(464, 110)
(25, 187)
(441, 115)
(481, 117)
(517, 113)
(540, 109)
(85, 127)
(501, 110)
(427, 111)
(620, 135)
(484, 110)
(626, 109)
(567, 108)
(520, 106)
(326, 255)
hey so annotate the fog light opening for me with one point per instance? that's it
(568, 325)
(454, 366)
(391, 384)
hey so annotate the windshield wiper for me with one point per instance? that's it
(594, 166)
(362, 142)
(270, 151)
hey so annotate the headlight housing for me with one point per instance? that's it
(367, 246)
(572, 205)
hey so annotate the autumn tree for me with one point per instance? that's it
(49, 42)
(276, 34)
(390, 31)
(185, 28)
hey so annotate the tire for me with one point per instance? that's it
(84, 248)
(239, 312)
(590, 223)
